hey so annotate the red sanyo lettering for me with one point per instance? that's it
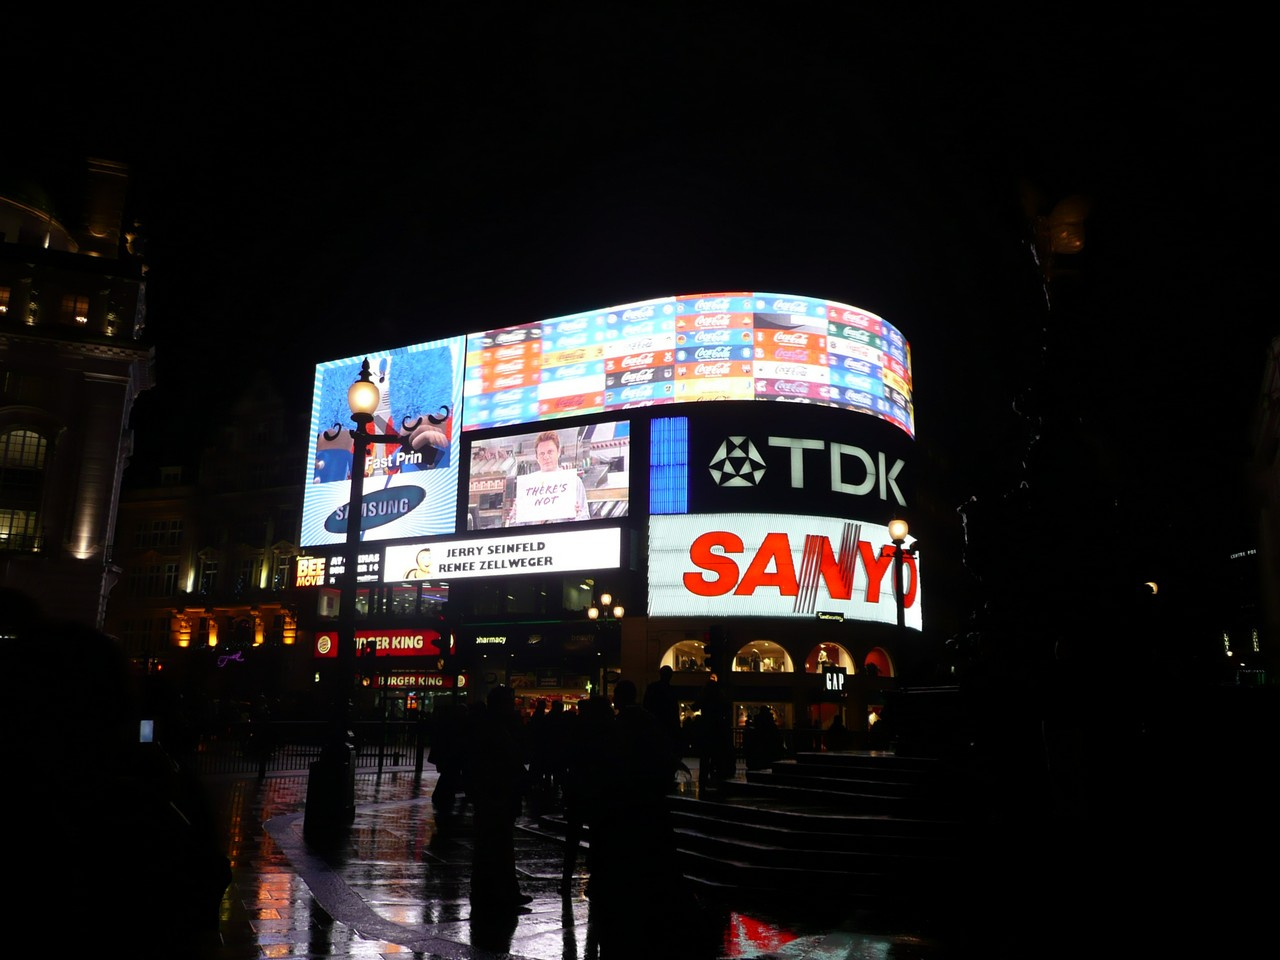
(773, 565)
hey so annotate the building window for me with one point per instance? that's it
(280, 579)
(19, 530)
(154, 580)
(5, 294)
(249, 574)
(22, 461)
(208, 574)
(75, 309)
(158, 533)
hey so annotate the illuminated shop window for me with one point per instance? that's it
(669, 465)
(687, 656)
(829, 654)
(879, 662)
(762, 656)
(5, 294)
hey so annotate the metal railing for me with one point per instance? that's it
(257, 748)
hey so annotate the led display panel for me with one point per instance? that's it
(771, 565)
(556, 475)
(410, 488)
(723, 346)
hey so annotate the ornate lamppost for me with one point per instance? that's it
(607, 614)
(898, 530)
(330, 802)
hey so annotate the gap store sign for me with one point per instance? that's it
(771, 565)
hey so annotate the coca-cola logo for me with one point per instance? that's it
(714, 321)
(638, 376)
(857, 319)
(857, 398)
(790, 306)
(857, 366)
(791, 339)
(637, 360)
(712, 369)
(574, 340)
(790, 370)
(637, 313)
(638, 329)
(633, 393)
(711, 305)
(797, 388)
(513, 381)
(713, 353)
(570, 326)
(790, 353)
(709, 337)
(508, 353)
(509, 366)
(571, 372)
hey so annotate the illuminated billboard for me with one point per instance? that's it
(557, 475)
(541, 553)
(723, 346)
(410, 486)
(772, 565)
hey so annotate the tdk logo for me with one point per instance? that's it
(850, 469)
(737, 464)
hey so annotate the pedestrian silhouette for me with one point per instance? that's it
(635, 872)
(495, 779)
(131, 840)
(448, 736)
(714, 734)
(662, 700)
(587, 770)
(838, 736)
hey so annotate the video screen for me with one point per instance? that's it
(557, 475)
(411, 479)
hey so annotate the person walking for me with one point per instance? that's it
(494, 778)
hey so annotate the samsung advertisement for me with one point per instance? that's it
(773, 565)
(410, 483)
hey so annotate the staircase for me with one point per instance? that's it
(869, 827)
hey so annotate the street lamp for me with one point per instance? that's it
(330, 802)
(898, 534)
(610, 613)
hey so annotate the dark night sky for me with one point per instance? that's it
(315, 185)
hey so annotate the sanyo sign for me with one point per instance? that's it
(774, 565)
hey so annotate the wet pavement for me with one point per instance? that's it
(397, 886)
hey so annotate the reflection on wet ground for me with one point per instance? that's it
(399, 887)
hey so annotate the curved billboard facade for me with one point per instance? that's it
(716, 346)
(634, 437)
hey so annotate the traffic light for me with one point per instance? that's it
(368, 654)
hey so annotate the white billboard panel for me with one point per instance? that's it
(770, 565)
(546, 553)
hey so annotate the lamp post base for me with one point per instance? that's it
(331, 794)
